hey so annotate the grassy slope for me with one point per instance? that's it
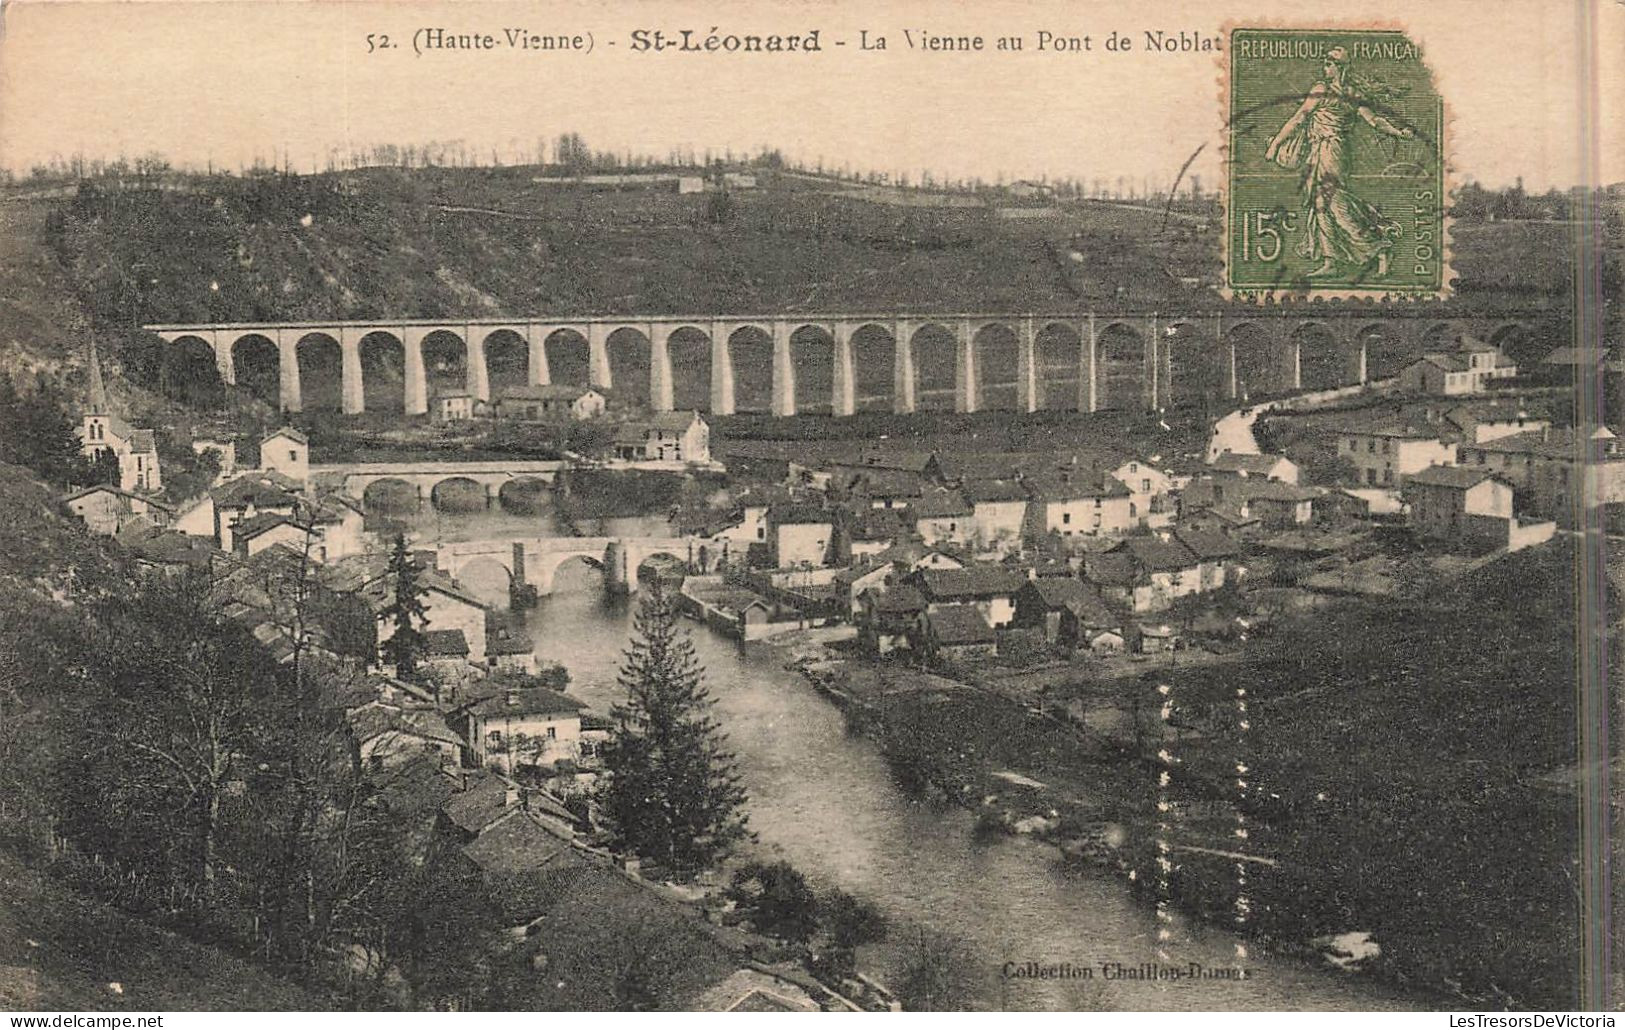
(1406, 750)
(59, 949)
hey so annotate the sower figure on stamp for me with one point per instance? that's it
(1339, 227)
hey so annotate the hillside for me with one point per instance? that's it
(60, 950)
(104, 258)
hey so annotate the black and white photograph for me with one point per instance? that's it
(520, 506)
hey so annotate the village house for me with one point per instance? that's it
(1467, 368)
(1441, 499)
(957, 632)
(1261, 466)
(942, 518)
(456, 406)
(884, 488)
(1558, 473)
(1279, 505)
(1388, 454)
(1149, 489)
(557, 401)
(1067, 610)
(287, 451)
(225, 450)
(523, 726)
(889, 618)
(798, 535)
(1086, 503)
(668, 436)
(1151, 573)
(447, 606)
(990, 589)
(862, 531)
(100, 431)
(386, 737)
(1481, 423)
(878, 571)
(107, 509)
(999, 512)
(237, 500)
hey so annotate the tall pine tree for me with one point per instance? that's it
(405, 610)
(674, 795)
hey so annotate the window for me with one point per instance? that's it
(1145, 486)
(493, 740)
(1371, 447)
(552, 733)
(1066, 518)
(1133, 511)
(293, 455)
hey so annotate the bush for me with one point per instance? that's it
(776, 899)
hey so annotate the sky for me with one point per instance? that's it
(225, 82)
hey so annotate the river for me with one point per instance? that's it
(825, 801)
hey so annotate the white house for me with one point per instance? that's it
(943, 518)
(1264, 466)
(1387, 455)
(799, 534)
(523, 726)
(999, 511)
(286, 451)
(554, 401)
(1467, 368)
(1084, 503)
(668, 436)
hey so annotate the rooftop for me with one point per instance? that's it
(1251, 464)
(526, 701)
(960, 624)
(1451, 477)
(974, 581)
(938, 503)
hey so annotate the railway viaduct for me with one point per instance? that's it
(1092, 359)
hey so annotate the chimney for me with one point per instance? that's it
(512, 697)
(510, 797)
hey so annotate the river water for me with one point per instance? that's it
(825, 801)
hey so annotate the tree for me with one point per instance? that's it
(674, 795)
(776, 898)
(37, 433)
(406, 611)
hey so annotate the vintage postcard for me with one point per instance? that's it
(536, 506)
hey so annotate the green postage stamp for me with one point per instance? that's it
(1335, 166)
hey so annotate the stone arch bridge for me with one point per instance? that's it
(353, 479)
(534, 562)
(1087, 360)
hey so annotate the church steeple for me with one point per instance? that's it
(98, 389)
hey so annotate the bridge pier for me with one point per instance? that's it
(479, 376)
(224, 361)
(288, 372)
(844, 378)
(967, 391)
(1089, 362)
(416, 380)
(661, 394)
(353, 399)
(903, 369)
(784, 371)
(538, 373)
(1027, 399)
(598, 367)
(722, 372)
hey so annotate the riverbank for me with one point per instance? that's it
(1100, 803)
